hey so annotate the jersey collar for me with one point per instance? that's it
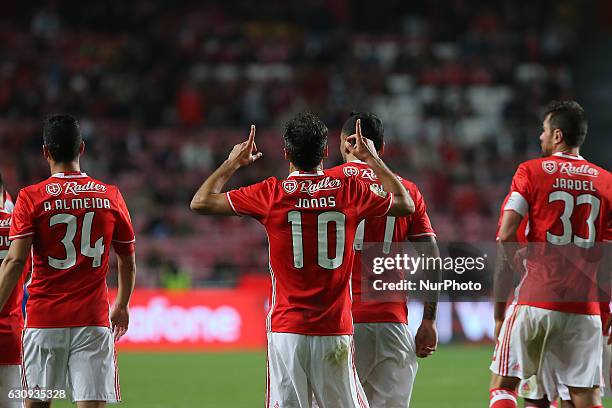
(568, 156)
(357, 161)
(298, 173)
(70, 174)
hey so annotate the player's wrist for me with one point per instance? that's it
(428, 321)
(120, 304)
(374, 161)
(231, 165)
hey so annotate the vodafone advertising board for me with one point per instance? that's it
(234, 319)
(199, 319)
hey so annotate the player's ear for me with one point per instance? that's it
(326, 151)
(557, 136)
(82, 148)
(46, 153)
(286, 155)
(382, 149)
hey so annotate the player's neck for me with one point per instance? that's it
(574, 151)
(351, 158)
(293, 169)
(65, 167)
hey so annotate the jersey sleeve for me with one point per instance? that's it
(420, 225)
(520, 191)
(370, 200)
(123, 234)
(22, 224)
(253, 200)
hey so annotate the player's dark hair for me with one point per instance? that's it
(62, 136)
(371, 127)
(305, 140)
(569, 117)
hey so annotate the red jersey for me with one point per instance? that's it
(388, 229)
(568, 202)
(73, 220)
(310, 220)
(11, 318)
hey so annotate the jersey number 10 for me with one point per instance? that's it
(323, 219)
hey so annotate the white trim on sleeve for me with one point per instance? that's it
(229, 199)
(12, 237)
(424, 234)
(390, 204)
(124, 242)
(517, 203)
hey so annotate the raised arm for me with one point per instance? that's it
(364, 150)
(12, 267)
(209, 200)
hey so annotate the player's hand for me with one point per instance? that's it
(360, 146)
(498, 327)
(426, 339)
(120, 319)
(245, 153)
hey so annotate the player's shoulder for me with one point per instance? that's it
(409, 184)
(537, 163)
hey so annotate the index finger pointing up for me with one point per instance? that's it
(251, 140)
(358, 131)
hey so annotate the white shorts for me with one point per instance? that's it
(537, 387)
(301, 366)
(571, 343)
(386, 363)
(79, 360)
(10, 380)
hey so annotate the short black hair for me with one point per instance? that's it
(62, 136)
(305, 140)
(569, 117)
(371, 127)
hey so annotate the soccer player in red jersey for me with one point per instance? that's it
(69, 222)
(310, 219)
(11, 320)
(537, 391)
(385, 352)
(568, 202)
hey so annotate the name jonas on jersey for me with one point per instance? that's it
(321, 202)
(77, 204)
(570, 184)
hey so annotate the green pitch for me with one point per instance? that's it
(455, 377)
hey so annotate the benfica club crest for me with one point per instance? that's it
(290, 186)
(53, 189)
(549, 166)
(350, 171)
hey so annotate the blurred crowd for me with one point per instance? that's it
(164, 89)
